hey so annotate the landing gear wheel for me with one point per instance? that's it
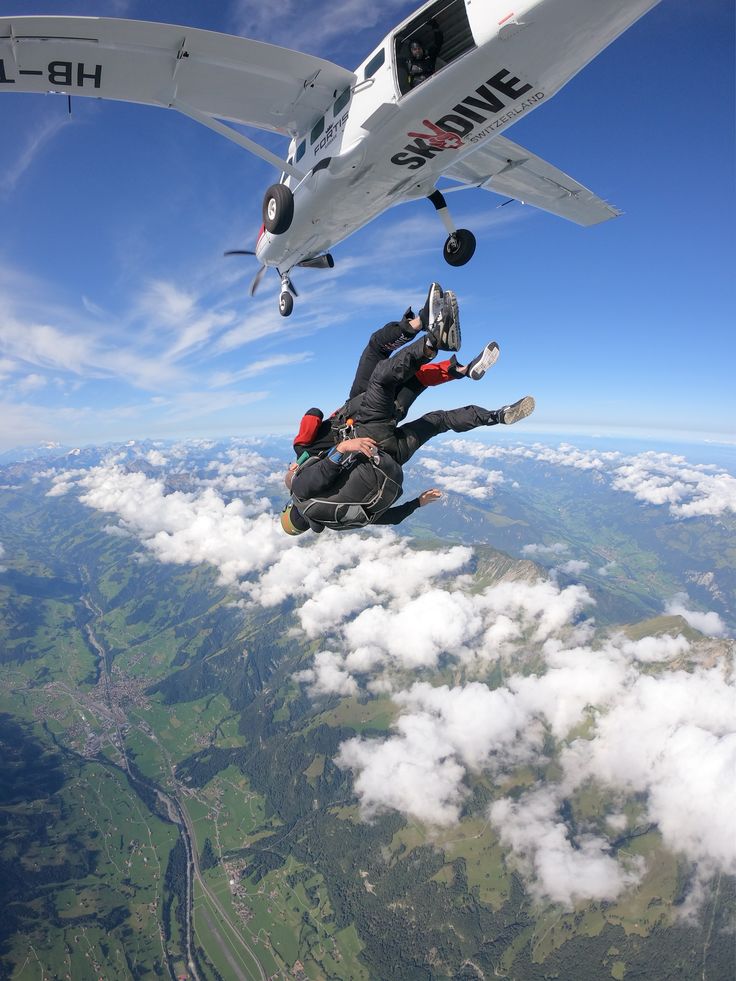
(459, 247)
(278, 208)
(286, 304)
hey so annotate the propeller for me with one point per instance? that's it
(257, 280)
(258, 276)
(316, 262)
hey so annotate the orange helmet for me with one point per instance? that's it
(287, 524)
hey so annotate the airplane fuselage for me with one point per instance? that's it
(383, 147)
(362, 141)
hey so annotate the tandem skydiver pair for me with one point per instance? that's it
(348, 472)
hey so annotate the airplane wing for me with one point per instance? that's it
(510, 170)
(216, 75)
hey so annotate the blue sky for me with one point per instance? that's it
(119, 318)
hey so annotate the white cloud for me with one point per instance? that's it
(689, 490)
(222, 378)
(31, 383)
(708, 623)
(573, 567)
(557, 867)
(186, 528)
(167, 302)
(565, 455)
(327, 676)
(35, 139)
(252, 20)
(544, 551)
(413, 773)
(673, 739)
(651, 650)
(540, 607)
(156, 458)
(388, 615)
(659, 479)
(338, 576)
(462, 478)
(116, 531)
(574, 681)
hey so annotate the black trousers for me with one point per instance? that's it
(382, 344)
(407, 439)
(377, 415)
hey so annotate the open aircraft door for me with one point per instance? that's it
(451, 19)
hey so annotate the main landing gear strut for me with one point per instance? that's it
(460, 244)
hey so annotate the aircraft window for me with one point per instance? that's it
(317, 130)
(341, 101)
(374, 64)
(300, 150)
(443, 33)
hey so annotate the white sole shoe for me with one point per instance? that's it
(519, 410)
(485, 360)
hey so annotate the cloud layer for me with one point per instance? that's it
(653, 717)
(660, 479)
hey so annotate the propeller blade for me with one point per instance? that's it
(238, 252)
(256, 280)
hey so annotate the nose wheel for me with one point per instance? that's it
(286, 299)
(286, 304)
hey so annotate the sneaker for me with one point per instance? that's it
(485, 360)
(432, 306)
(444, 333)
(519, 410)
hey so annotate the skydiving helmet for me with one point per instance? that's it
(286, 521)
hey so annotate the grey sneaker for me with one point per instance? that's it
(432, 306)
(444, 333)
(519, 410)
(485, 360)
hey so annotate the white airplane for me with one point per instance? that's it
(361, 141)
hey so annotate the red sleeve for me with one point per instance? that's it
(436, 373)
(308, 427)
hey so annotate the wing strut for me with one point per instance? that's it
(230, 134)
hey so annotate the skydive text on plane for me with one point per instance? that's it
(464, 118)
(59, 73)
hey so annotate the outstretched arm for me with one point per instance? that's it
(395, 516)
(429, 496)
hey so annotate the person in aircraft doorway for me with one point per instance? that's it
(358, 480)
(421, 61)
